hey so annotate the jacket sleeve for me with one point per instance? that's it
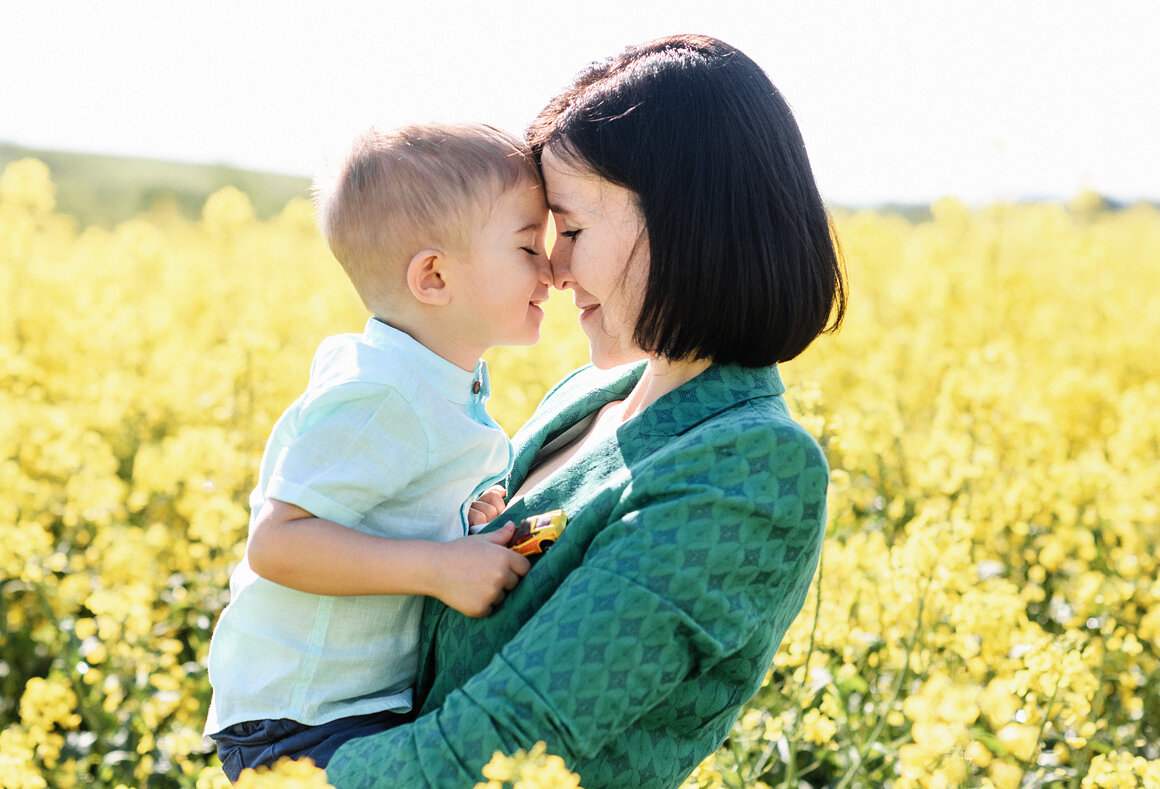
(711, 545)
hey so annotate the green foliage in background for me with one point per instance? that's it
(107, 190)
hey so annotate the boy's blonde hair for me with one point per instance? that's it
(399, 191)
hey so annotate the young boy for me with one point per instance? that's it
(366, 481)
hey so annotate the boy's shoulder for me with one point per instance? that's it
(350, 362)
(353, 382)
(348, 373)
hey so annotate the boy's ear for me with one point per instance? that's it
(425, 277)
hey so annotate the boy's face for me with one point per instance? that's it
(500, 284)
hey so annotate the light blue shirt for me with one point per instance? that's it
(389, 439)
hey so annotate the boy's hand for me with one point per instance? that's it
(486, 508)
(476, 572)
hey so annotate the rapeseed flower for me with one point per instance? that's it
(987, 609)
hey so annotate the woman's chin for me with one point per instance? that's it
(607, 358)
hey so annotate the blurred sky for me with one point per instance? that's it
(899, 100)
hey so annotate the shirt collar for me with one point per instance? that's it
(716, 389)
(452, 382)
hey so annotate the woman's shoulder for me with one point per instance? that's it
(765, 427)
(726, 403)
(757, 427)
(744, 425)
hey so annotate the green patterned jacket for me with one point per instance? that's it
(632, 644)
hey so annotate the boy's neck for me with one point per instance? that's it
(463, 354)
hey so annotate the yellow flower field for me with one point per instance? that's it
(987, 613)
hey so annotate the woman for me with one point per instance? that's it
(696, 245)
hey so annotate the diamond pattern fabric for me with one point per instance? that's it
(631, 645)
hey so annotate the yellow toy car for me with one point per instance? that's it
(537, 533)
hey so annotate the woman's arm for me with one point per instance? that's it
(489, 506)
(705, 561)
(291, 547)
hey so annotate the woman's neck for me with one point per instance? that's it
(660, 377)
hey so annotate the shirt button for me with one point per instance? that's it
(475, 387)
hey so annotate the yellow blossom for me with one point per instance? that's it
(1120, 770)
(285, 774)
(532, 769)
(992, 550)
(1020, 740)
(999, 701)
(817, 728)
(28, 183)
(18, 768)
(978, 754)
(1005, 775)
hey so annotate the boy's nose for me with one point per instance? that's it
(545, 269)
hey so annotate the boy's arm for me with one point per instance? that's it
(291, 547)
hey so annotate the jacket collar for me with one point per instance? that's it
(718, 388)
(581, 394)
(589, 389)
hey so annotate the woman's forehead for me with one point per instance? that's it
(573, 189)
(564, 181)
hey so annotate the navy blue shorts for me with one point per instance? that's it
(261, 743)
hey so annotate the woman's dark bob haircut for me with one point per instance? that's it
(743, 266)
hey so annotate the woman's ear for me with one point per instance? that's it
(425, 277)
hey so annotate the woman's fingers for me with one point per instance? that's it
(487, 507)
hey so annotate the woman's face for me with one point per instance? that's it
(601, 253)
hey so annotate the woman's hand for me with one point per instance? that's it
(486, 508)
(476, 572)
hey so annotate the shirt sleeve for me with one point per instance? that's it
(355, 447)
(712, 543)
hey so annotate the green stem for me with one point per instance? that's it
(791, 765)
(762, 762)
(1033, 757)
(71, 653)
(860, 756)
(1097, 713)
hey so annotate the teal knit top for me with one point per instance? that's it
(631, 645)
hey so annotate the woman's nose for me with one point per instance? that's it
(561, 272)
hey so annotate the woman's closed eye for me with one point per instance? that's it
(569, 234)
(530, 251)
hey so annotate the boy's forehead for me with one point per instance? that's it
(521, 208)
(527, 206)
